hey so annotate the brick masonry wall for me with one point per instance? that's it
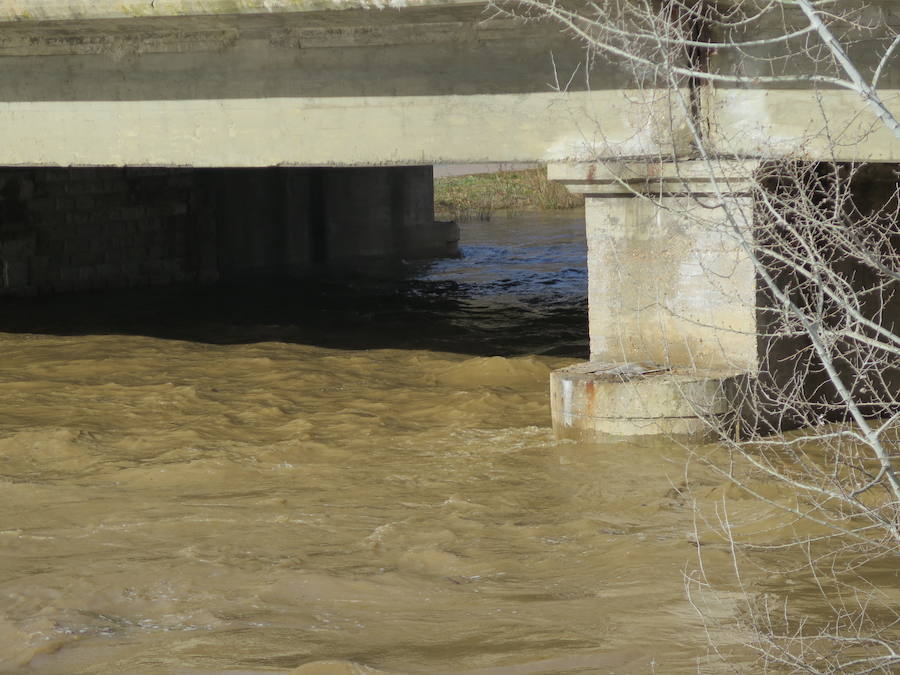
(68, 229)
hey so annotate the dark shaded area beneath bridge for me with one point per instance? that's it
(519, 288)
(428, 315)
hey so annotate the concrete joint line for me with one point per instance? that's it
(648, 419)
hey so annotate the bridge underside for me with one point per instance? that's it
(94, 228)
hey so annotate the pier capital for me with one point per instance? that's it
(653, 176)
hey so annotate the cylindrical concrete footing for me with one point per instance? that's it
(599, 401)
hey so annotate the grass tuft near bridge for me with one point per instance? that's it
(476, 197)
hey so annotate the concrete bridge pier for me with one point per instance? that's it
(672, 298)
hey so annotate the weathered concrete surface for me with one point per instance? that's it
(265, 82)
(344, 83)
(773, 113)
(803, 124)
(667, 282)
(668, 287)
(592, 401)
(43, 10)
(422, 85)
(448, 170)
(286, 132)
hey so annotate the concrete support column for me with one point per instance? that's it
(297, 221)
(379, 215)
(672, 297)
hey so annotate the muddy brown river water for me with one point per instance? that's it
(332, 478)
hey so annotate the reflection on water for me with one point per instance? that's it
(254, 480)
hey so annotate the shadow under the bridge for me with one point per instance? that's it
(520, 288)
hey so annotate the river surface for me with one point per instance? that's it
(332, 477)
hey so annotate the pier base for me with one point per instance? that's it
(597, 401)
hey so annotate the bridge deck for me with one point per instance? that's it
(344, 83)
(52, 10)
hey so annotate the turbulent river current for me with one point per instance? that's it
(331, 478)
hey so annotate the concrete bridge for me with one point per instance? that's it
(153, 141)
(259, 83)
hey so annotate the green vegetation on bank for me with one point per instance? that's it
(475, 197)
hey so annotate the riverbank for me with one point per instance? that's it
(477, 196)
